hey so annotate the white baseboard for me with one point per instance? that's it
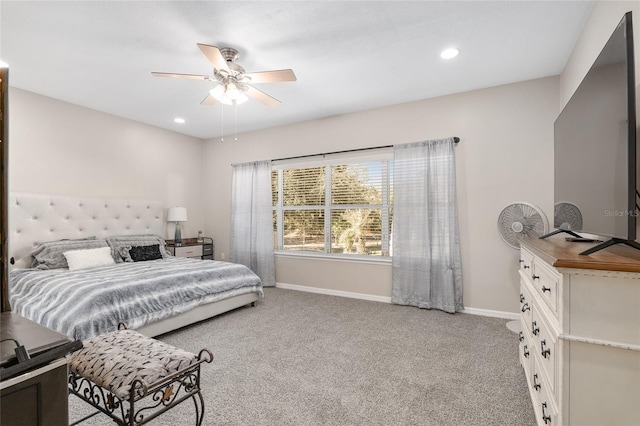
(384, 299)
(330, 292)
(490, 313)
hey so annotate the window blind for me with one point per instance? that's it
(341, 207)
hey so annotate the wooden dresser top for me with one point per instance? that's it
(563, 254)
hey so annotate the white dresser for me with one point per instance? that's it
(580, 338)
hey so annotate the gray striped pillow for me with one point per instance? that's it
(50, 255)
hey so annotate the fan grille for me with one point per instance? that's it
(567, 216)
(518, 220)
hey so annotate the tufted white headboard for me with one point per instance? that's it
(34, 219)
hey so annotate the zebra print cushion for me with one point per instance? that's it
(114, 360)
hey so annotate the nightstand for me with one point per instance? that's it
(190, 247)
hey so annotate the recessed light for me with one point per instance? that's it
(179, 120)
(449, 53)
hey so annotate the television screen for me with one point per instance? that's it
(595, 143)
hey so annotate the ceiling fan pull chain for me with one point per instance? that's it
(222, 121)
(235, 104)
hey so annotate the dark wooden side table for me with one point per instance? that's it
(33, 392)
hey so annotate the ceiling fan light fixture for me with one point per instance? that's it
(228, 94)
(234, 86)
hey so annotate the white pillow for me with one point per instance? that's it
(89, 258)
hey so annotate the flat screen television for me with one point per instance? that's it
(595, 146)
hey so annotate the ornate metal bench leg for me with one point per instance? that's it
(199, 408)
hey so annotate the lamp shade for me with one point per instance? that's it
(177, 214)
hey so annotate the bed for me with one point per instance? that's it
(153, 296)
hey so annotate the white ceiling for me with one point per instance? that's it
(347, 55)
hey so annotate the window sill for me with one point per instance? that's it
(379, 260)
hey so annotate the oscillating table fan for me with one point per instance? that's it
(519, 220)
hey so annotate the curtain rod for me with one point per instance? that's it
(455, 140)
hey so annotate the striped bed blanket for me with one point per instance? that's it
(87, 302)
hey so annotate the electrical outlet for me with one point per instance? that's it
(222, 256)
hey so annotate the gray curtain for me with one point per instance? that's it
(426, 266)
(252, 219)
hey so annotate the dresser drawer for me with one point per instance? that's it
(537, 382)
(547, 284)
(545, 348)
(188, 251)
(524, 348)
(526, 304)
(544, 404)
(526, 262)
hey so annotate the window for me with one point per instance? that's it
(336, 206)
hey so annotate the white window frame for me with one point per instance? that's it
(385, 155)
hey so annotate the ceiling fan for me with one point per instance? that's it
(234, 84)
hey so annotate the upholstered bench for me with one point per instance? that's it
(133, 378)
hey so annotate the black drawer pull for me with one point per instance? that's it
(526, 267)
(545, 418)
(521, 297)
(546, 289)
(535, 277)
(536, 385)
(534, 328)
(525, 351)
(545, 352)
(521, 261)
(525, 307)
(521, 336)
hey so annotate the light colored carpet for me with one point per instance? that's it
(307, 359)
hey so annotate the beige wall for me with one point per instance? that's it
(505, 156)
(63, 149)
(603, 20)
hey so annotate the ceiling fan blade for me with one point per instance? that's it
(175, 75)
(275, 76)
(260, 96)
(214, 56)
(209, 100)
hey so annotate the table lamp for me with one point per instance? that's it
(177, 215)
